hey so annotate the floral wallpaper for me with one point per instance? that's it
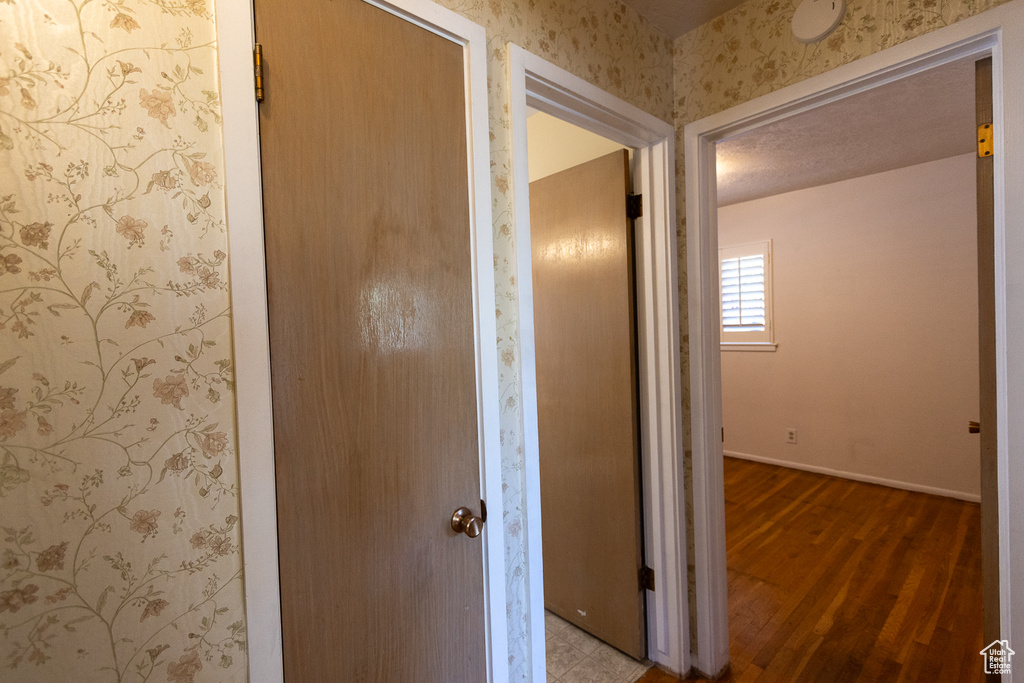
(610, 45)
(119, 552)
(119, 539)
(750, 51)
(118, 476)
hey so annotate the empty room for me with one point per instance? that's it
(850, 384)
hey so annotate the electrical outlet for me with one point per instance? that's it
(790, 435)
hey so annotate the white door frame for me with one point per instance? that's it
(536, 82)
(251, 333)
(998, 32)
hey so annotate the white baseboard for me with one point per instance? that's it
(970, 497)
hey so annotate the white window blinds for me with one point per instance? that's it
(743, 293)
(746, 293)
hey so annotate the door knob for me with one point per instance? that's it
(463, 522)
(973, 427)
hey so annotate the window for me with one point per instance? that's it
(746, 285)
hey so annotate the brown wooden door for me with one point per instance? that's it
(987, 363)
(587, 400)
(364, 155)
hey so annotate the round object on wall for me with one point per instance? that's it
(815, 19)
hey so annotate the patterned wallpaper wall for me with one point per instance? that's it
(119, 552)
(750, 51)
(119, 557)
(611, 46)
(118, 476)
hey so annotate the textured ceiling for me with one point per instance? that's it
(676, 17)
(921, 118)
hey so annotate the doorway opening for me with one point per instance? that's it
(871, 379)
(915, 57)
(585, 336)
(537, 83)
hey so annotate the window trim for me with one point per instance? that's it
(749, 340)
(750, 346)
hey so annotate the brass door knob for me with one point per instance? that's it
(973, 427)
(463, 522)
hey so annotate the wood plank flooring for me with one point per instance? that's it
(833, 580)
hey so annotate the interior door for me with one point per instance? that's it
(367, 219)
(587, 400)
(987, 361)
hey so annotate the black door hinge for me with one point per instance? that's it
(646, 578)
(634, 205)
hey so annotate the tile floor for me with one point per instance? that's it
(575, 656)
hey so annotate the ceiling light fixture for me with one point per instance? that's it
(815, 19)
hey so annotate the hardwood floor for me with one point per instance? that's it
(833, 580)
(656, 675)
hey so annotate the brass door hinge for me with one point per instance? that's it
(985, 148)
(646, 578)
(257, 61)
(634, 205)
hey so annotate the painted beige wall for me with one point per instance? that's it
(555, 145)
(875, 285)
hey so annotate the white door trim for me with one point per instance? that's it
(251, 331)
(999, 32)
(542, 85)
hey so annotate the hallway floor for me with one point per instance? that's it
(575, 656)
